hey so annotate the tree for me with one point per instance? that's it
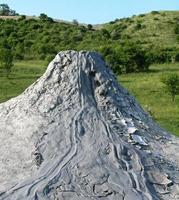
(22, 17)
(6, 60)
(105, 33)
(177, 29)
(136, 59)
(126, 58)
(75, 22)
(6, 57)
(155, 12)
(19, 51)
(90, 27)
(45, 18)
(138, 26)
(6, 11)
(171, 84)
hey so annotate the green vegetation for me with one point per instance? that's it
(6, 58)
(128, 45)
(24, 73)
(171, 84)
(6, 11)
(148, 90)
(156, 32)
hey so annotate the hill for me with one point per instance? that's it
(152, 28)
(129, 44)
(156, 30)
(17, 17)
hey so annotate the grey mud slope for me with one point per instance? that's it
(75, 134)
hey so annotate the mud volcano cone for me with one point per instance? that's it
(75, 134)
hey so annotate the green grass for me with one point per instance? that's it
(23, 74)
(149, 92)
(156, 29)
(145, 87)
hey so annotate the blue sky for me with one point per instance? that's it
(91, 11)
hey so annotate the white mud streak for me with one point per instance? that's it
(75, 134)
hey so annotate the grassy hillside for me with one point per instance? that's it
(156, 28)
(157, 32)
(154, 36)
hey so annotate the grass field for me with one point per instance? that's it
(145, 87)
(23, 74)
(149, 92)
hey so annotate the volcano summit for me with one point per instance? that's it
(76, 134)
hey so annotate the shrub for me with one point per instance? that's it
(45, 18)
(22, 17)
(127, 58)
(105, 33)
(75, 22)
(49, 58)
(163, 14)
(156, 18)
(155, 12)
(138, 26)
(171, 84)
(115, 34)
(142, 15)
(6, 59)
(177, 57)
(90, 27)
(177, 29)
(112, 22)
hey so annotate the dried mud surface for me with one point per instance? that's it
(76, 134)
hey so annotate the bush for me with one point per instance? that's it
(156, 18)
(6, 58)
(171, 84)
(177, 29)
(115, 35)
(163, 14)
(105, 33)
(155, 12)
(112, 22)
(127, 58)
(177, 57)
(49, 58)
(142, 15)
(75, 22)
(136, 59)
(138, 26)
(22, 17)
(45, 18)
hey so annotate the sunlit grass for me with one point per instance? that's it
(150, 93)
(23, 74)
